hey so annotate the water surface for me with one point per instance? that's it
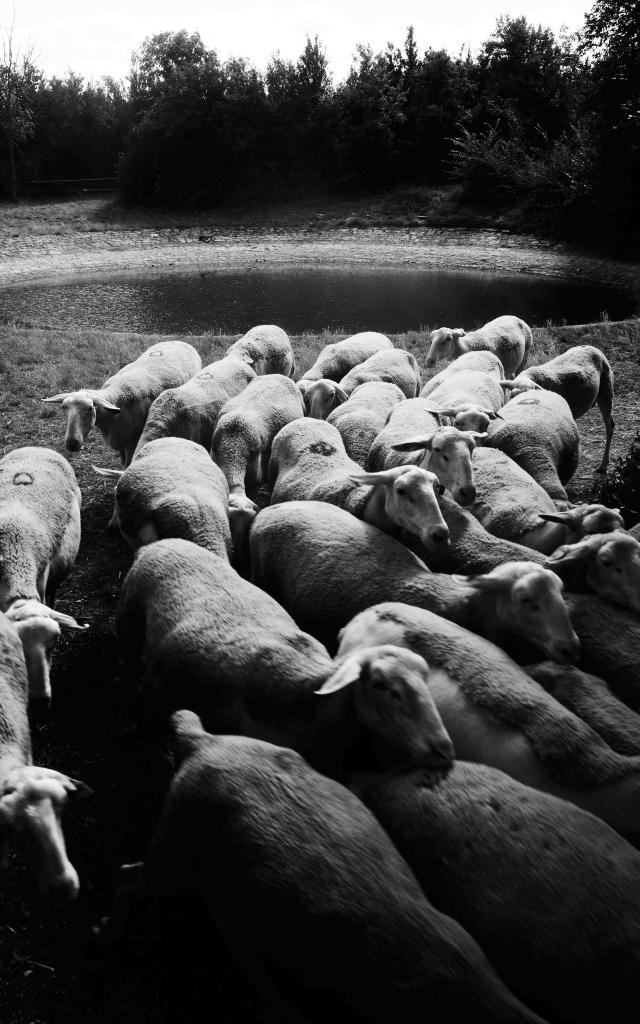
(392, 300)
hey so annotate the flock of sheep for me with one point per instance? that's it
(403, 690)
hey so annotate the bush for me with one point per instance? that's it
(622, 484)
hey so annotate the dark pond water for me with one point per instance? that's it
(309, 299)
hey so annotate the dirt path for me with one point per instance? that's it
(71, 239)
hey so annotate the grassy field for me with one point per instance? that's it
(170, 965)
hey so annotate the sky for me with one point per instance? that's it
(98, 39)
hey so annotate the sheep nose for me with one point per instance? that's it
(466, 495)
(73, 445)
(440, 535)
(569, 652)
(430, 363)
(66, 887)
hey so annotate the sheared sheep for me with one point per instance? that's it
(31, 798)
(195, 634)
(583, 376)
(119, 408)
(607, 564)
(538, 432)
(266, 348)
(245, 431)
(173, 489)
(468, 391)
(394, 366)
(362, 417)
(309, 463)
(511, 504)
(508, 337)
(192, 410)
(324, 566)
(445, 451)
(321, 397)
(39, 524)
(592, 700)
(337, 359)
(319, 910)
(497, 715)
(550, 893)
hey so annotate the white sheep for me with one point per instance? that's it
(337, 359)
(309, 462)
(324, 566)
(607, 564)
(497, 715)
(467, 391)
(362, 417)
(592, 700)
(31, 798)
(39, 524)
(313, 899)
(245, 431)
(172, 489)
(266, 348)
(584, 378)
(538, 431)
(119, 408)
(192, 410)
(394, 366)
(445, 451)
(194, 633)
(507, 336)
(550, 893)
(510, 504)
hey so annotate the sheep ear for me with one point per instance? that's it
(452, 410)
(495, 415)
(78, 790)
(383, 476)
(476, 435)
(347, 672)
(340, 394)
(101, 403)
(56, 399)
(458, 332)
(66, 620)
(567, 554)
(569, 518)
(112, 474)
(411, 444)
(485, 583)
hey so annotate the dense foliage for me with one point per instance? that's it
(546, 126)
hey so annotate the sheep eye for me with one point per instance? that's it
(379, 686)
(395, 695)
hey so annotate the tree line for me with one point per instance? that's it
(547, 125)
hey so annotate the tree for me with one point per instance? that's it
(19, 82)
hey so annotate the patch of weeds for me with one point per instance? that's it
(621, 486)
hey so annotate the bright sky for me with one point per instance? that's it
(95, 39)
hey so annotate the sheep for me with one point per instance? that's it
(337, 359)
(194, 634)
(31, 798)
(609, 641)
(119, 408)
(39, 524)
(539, 433)
(583, 376)
(362, 417)
(634, 531)
(318, 909)
(38, 627)
(497, 715)
(468, 391)
(324, 566)
(245, 430)
(321, 397)
(550, 892)
(510, 504)
(266, 348)
(607, 564)
(173, 489)
(192, 410)
(592, 700)
(309, 462)
(444, 451)
(507, 336)
(395, 366)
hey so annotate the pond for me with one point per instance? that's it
(392, 300)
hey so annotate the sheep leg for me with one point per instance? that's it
(605, 403)
(129, 890)
(610, 426)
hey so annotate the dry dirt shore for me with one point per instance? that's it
(40, 241)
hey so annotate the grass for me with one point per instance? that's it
(171, 965)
